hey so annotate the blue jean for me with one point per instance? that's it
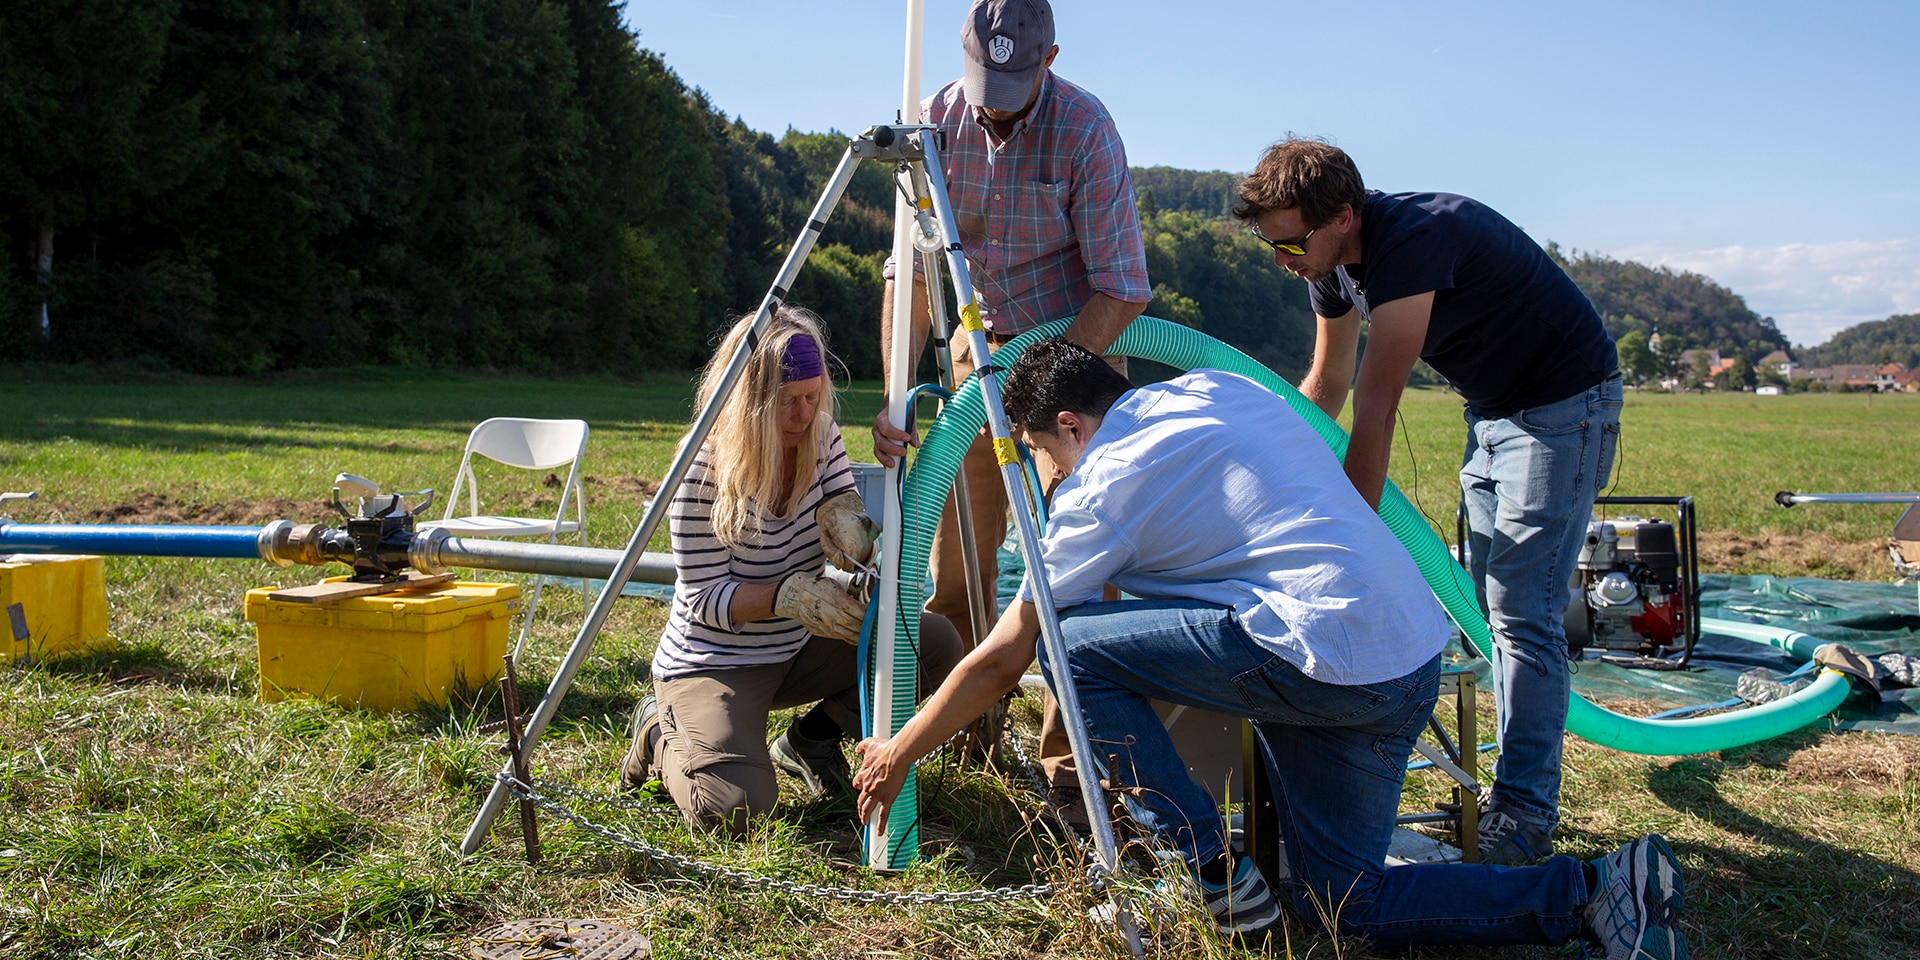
(1338, 755)
(1528, 481)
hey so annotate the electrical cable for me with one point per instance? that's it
(1414, 462)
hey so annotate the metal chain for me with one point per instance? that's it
(714, 871)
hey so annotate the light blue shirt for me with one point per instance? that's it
(1209, 487)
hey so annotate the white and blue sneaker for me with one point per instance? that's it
(1634, 911)
(1245, 907)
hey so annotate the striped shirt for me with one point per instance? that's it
(1046, 215)
(701, 633)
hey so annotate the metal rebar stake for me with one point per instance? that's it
(517, 757)
(650, 521)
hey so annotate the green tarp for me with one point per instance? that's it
(1874, 618)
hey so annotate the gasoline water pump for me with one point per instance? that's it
(1636, 587)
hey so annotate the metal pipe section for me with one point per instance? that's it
(434, 551)
(1788, 498)
(650, 521)
(928, 245)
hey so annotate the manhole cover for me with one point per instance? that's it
(560, 940)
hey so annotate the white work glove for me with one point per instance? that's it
(846, 532)
(821, 605)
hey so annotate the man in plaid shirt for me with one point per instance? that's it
(1039, 184)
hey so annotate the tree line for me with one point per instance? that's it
(1893, 340)
(235, 188)
(231, 188)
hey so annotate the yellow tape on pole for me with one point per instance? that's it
(970, 319)
(1005, 451)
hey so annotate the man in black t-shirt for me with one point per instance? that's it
(1444, 278)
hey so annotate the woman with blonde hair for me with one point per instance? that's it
(757, 624)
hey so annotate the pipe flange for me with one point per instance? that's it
(274, 545)
(423, 554)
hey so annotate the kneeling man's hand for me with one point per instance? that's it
(879, 781)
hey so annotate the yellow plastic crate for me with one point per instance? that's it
(63, 601)
(391, 652)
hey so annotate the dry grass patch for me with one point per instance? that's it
(1795, 555)
(1870, 760)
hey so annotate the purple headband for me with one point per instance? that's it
(802, 359)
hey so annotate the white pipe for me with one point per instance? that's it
(900, 375)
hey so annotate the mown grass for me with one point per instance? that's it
(153, 808)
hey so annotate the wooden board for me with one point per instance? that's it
(342, 589)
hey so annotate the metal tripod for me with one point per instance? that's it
(913, 151)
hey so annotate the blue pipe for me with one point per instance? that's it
(227, 543)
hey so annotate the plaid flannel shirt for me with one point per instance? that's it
(1047, 215)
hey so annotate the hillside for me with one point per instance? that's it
(1893, 340)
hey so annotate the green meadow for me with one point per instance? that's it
(150, 806)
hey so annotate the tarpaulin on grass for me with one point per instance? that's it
(1873, 618)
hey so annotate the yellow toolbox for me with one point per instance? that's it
(392, 651)
(62, 607)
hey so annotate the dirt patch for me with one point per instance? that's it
(1852, 761)
(1796, 555)
(150, 507)
(630, 484)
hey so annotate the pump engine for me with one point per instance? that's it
(1636, 589)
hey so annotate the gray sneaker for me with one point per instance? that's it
(636, 770)
(1634, 909)
(1508, 841)
(1245, 907)
(821, 766)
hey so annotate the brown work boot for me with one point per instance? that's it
(1063, 801)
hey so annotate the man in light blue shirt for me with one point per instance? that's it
(1270, 590)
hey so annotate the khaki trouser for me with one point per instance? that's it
(713, 724)
(987, 495)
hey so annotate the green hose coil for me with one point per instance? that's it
(930, 477)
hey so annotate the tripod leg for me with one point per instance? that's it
(1026, 519)
(617, 580)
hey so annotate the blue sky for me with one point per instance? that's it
(1773, 147)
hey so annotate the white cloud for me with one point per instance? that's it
(1811, 290)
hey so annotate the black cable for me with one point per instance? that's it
(1415, 464)
(1619, 459)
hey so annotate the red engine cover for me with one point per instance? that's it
(1658, 622)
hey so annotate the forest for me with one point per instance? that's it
(239, 188)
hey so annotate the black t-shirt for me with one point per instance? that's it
(1509, 330)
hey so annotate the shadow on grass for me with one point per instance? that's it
(149, 663)
(1785, 892)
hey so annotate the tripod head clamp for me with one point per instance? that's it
(894, 142)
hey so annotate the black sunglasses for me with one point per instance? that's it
(1292, 248)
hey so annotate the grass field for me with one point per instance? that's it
(152, 807)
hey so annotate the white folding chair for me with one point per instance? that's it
(528, 445)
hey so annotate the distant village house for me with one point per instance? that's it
(1884, 377)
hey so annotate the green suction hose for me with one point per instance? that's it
(930, 477)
